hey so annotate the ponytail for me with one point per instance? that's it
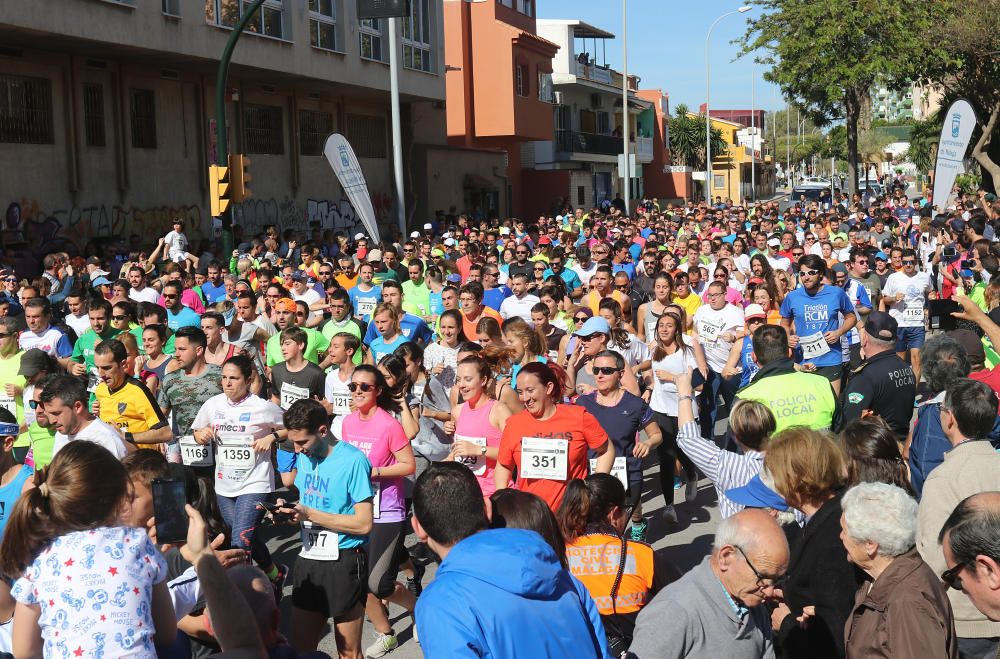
(586, 504)
(574, 511)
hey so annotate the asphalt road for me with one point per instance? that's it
(682, 545)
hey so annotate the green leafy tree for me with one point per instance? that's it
(826, 56)
(687, 139)
(923, 142)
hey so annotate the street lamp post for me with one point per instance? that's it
(626, 173)
(708, 116)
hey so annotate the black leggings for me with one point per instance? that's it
(668, 451)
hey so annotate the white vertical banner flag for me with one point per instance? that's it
(959, 122)
(345, 165)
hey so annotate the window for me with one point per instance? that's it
(172, 7)
(581, 195)
(26, 110)
(371, 30)
(603, 125)
(366, 134)
(93, 115)
(417, 37)
(143, 113)
(545, 92)
(323, 24)
(313, 130)
(526, 7)
(521, 79)
(269, 21)
(718, 181)
(264, 133)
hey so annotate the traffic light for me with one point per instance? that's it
(218, 189)
(239, 176)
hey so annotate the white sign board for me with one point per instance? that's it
(345, 165)
(959, 122)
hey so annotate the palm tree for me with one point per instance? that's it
(687, 139)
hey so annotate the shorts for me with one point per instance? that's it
(332, 588)
(286, 460)
(831, 373)
(383, 554)
(177, 257)
(909, 338)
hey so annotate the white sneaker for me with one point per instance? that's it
(383, 645)
(669, 515)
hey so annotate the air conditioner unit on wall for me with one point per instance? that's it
(596, 101)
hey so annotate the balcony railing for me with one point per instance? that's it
(597, 73)
(571, 141)
(644, 147)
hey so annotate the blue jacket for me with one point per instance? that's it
(503, 594)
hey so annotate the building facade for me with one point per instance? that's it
(108, 115)
(744, 164)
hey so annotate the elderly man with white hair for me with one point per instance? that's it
(716, 609)
(902, 609)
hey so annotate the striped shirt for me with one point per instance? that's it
(725, 469)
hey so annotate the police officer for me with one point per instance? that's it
(797, 398)
(882, 384)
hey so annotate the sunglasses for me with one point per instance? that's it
(909, 262)
(605, 370)
(33, 404)
(325, 272)
(580, 319)
(4, 335)
(362, 386)
(542, 269)
(952, 578)
(811, 273)
(407, 251)
(119, 317)
(520, 253)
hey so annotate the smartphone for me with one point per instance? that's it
(940, 313)
(278, 513)
(949, 252)
(168, 508)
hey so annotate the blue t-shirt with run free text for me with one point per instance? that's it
(334, 484)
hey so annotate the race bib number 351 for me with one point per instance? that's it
(544, 458)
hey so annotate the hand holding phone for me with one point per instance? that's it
(168, 510)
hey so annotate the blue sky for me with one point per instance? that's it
(666, 40)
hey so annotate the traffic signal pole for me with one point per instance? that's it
(221, 143)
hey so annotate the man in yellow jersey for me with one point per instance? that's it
(125, 402)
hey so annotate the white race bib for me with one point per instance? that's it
(710, 331)
(376, 500)
(194, 454)
(93, 379)
(914, 312)
(366, 307)
(814, 345)
(341, 404)
(477, 463)
(544, 458)
(290, 393)
(319, 544)
(235, 452)
(618, 469)
(8, 403)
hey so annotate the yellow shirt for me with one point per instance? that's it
(130, 408)
(689, 303)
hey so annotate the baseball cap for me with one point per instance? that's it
(359, 236)
(454, 278)
(969, 341)
(595, 325)
(773, 242)
(754, 311)
(437, 252)
(756, 494)
(881, 256)
(99, 273)
(100, 281)
(839, 268)
(415, 234)
(428, 227)
(33, 362)
(544, 240)
(285, 304)
(449, 242)
(881, 326)
(374, 256)
(504, 231)
(300, 275)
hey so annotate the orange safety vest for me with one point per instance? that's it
(594, 559)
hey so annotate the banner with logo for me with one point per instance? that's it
(959, 122)
(345, 165)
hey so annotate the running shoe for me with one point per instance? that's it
(638, 532)
(669, 514)
(691, 491)
(677, 482)
(383, 645)
(415, 584)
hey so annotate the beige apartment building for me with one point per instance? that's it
(107, 115)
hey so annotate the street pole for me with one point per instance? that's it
(708, 92)
(788, 144)
(221, 142)
(627, 170)
(753, 138)
(397, 131)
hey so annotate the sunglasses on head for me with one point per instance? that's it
(362, 386)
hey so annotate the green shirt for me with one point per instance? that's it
(42, 442)
(15, 404)
(349, 326)
(416, 298)
(83, 352)
(315, 344)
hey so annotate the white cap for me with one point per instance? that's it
(446, 234)
(428, 227)
(359, 236)
(415, 234)
(449, 242)
(504, 231)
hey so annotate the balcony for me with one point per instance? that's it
(644, 148)
(596, 73)
(571, 141)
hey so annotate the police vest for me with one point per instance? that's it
(795, 399)
(594, 559)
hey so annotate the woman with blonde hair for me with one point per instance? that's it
(488, 333)
(527, 345)
(809, 470)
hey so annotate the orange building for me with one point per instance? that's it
(499, 94)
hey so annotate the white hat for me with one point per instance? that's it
(359, 236)
(374, 256)
(504, 231)
(754, 311)
(415, 234)
(449, 242)
(446, 234)
(428, 227)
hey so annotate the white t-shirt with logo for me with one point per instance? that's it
(239, 468)
(147, 294)
(711, 324)
(97, 431)
(908, 312)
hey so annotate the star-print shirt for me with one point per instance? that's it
(95, 591)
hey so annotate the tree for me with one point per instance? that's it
(826, 56)
(687, 139)
(923, 138)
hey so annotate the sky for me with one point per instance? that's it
(666, 48)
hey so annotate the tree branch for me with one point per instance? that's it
(979, 150)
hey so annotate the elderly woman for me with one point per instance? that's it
(944, 363)
(809, 469)
(902, 609)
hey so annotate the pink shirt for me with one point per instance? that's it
(475, 424)
(189, 299)
(379, 438)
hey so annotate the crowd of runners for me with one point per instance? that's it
(499, 388)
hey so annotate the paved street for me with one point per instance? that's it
(683, 546)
